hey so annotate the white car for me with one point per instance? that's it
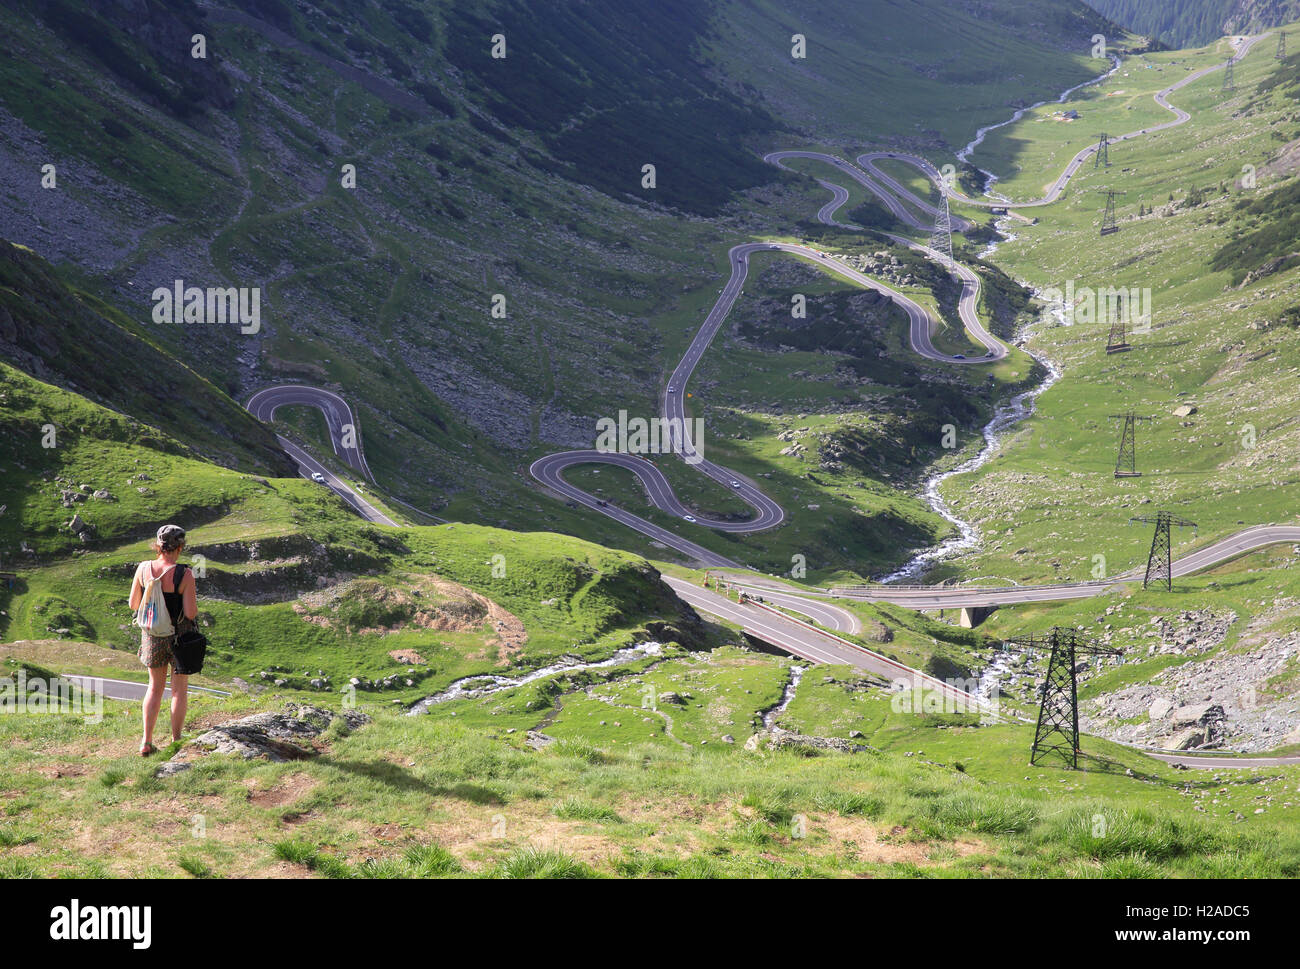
(688, 518)
(318, 477)
(672, 390)
(735, 484)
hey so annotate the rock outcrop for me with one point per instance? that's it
(1236, 696)
(778, 739)
(274, 735)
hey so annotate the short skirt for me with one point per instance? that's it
(156, 651)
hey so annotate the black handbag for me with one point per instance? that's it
(189, 650)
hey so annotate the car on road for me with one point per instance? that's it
(959, 356)
(688, 518)
(989, 353)
(672, 390)
(735, 484)
(318, 477)
(602, 502)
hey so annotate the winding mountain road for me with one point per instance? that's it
(812, 644)
(936, 597)
(967, 302)
(345, 436)
(338, 417)
(800, 638)
(549, 470)
(767, 514)
(1241, 47)
(113, 689)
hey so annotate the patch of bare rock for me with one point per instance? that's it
(777, 738)
(283, 735)
(1240, 698)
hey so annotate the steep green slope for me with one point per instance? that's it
(290, 578)
(80, 342)
(1191, 23)
(476, 177)
(574, 77)
(908, 72)
(1202, 227)
(642, 772)
(1178, 23)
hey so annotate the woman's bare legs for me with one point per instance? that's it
(180, 700)
(152, 702)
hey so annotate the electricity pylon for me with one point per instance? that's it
(1117, 341)
(1108, 221)
(1126, 463)
(1102, 156)
(1058, 712)
(1229, 84)
(1159, 566)
(1281, 45)
(941, 234)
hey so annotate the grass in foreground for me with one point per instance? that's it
(433, 797)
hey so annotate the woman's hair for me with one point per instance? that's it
(171, 538)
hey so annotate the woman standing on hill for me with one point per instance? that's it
(178, 589)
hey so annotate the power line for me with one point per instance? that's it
(1102, 155)
(1159, 561)
(1109, 223)
(1057, 730)
(1126, 462)
(1117, 341)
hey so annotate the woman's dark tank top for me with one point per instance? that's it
(175, 601)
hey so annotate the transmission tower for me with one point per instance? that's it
(1117, 341)
(1159, 567)
(1108, 221)
(1058, 712)
(1281, 45)
(941, 235)
(1102, 156)
(1228, 83)
(1126, 463)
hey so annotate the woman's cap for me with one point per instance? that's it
(171, 536)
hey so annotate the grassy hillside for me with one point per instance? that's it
(628, 791)
(1190, 23)
(581, 720)
(76, 340)
(907, 72)
(291, 579)
(476, 176)
(642, 769)
(1207, 245)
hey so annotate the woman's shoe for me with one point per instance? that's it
(148, 749)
